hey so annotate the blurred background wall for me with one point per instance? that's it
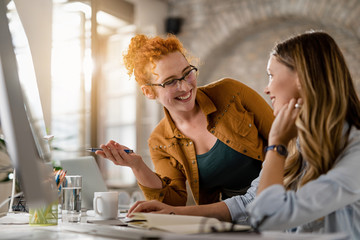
(233, 38)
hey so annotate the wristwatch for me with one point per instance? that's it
(280, 149)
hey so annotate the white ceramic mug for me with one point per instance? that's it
(106, 205)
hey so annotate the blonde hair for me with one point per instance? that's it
(330, 101)
(144, 51)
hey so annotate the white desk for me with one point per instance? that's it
(20, 232)
(86, 231)
(14, 226)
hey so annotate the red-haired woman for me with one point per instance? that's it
(211, 136)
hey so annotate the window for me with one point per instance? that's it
(71, 79)
(72, 66)
(72, 93)
(118, 98)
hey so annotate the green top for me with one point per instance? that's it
(240, 170)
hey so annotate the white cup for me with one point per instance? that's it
(106, 205)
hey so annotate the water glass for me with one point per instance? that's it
(71, 199)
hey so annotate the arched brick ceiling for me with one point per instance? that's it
(233, 37)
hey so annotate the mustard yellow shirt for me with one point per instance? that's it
(237, 115)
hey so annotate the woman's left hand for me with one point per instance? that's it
(283, 128)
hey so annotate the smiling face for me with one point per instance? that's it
(283, 84)
(180, 97)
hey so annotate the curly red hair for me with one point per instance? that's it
(144, 50)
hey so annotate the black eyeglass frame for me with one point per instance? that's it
(174, 80)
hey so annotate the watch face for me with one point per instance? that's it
(282, 150)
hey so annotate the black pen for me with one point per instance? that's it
(96, 149)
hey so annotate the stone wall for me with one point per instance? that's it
(233, 38)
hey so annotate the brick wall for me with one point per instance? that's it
(233, 38)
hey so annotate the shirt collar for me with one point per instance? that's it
(206, 106)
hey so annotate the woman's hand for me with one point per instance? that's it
(282, 131)
(283, 128)
(144, 175)
(153, 206)
(217, 210)
(115, 152)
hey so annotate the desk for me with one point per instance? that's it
(15, 226)
(20, 232)
(65, 231)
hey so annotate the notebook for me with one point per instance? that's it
(92, 179)
(182, 224)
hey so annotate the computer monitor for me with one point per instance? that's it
(22, 136)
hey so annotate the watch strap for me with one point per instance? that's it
(280, 149)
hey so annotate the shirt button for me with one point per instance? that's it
(212, 131)
(227, 141)
(190, 143)
(193, 162)
(250, 125)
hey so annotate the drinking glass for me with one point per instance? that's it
(71, 199)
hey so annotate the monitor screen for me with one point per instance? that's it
(21, 122)
(28, 81)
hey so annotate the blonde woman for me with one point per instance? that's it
(316, 187)
(310, 180)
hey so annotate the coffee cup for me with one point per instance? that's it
(106, 205)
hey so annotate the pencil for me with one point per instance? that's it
(99, 149)
(62, 178)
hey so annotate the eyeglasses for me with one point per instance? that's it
(188, 76)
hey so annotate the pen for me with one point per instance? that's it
(96, 149)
